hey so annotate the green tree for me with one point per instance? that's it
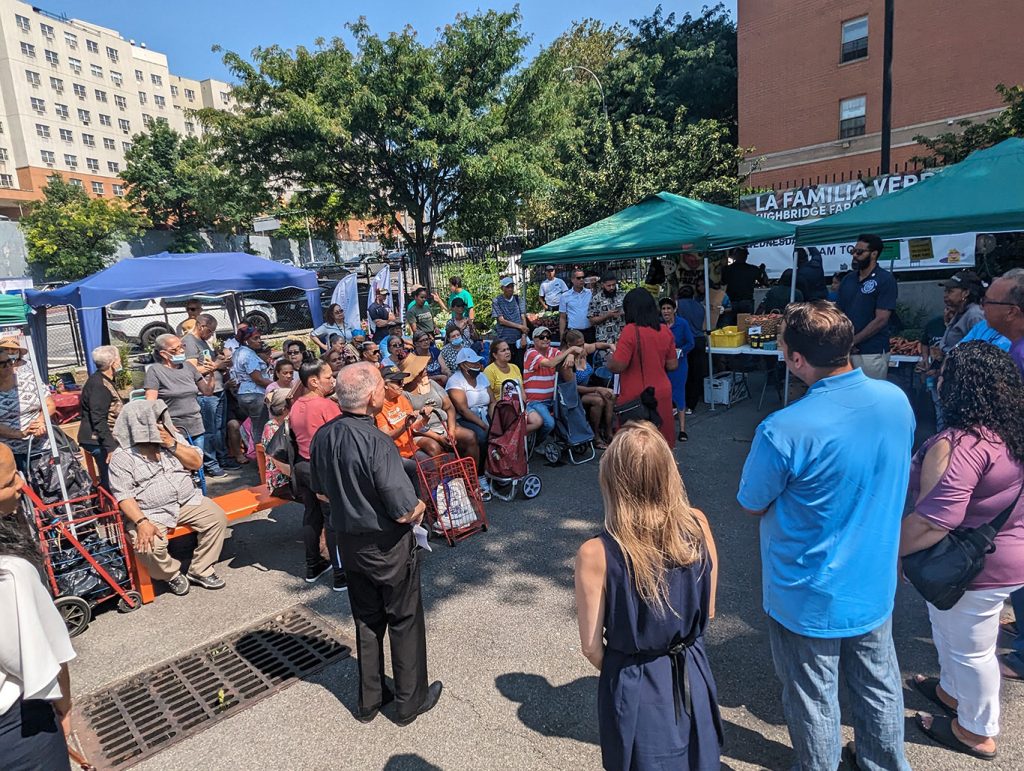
(953, 146)
(442, 133)
(72, 235)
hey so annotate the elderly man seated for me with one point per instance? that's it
(151, 479)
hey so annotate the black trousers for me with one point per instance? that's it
(697, 367)
(384, 593)
(31, 738)
(315, 519)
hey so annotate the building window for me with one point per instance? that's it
(29, 50)
(126, 147)
(852, 118)
(101, 96)
(83, 115)
(32, 77)
(113, 167)
(139, 76)
(96, 70)
(855, 39)
(104, 119)
(112, 54)
(142, 97)
(125, 125)
(23, 22)
(76, 182)
(159, 101)
(89, 140)
(66, 135)
(38, 105)
(97, 188)
(115, 78)
(147, 120)
(42, 131)
(6, 180)
(156, 79)
(109, 144)
(118, 190)
(47, 156)
(92, 47)
(61, 110)
(75, 65)
(57, 85)
(190, 127)
(174, 90)
(190, 94)
(51, 57)
(71, 161)
(224, 96)
(79, 90)
(71, 39)
(47, 31)
(3, 154)
(121, 102)
(93, 164)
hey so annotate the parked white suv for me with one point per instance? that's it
(142, 321)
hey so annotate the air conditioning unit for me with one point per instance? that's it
(49, 165)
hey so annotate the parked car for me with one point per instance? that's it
(141, 321)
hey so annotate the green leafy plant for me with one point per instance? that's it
(123, 378)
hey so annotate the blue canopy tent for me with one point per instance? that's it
(165, 275)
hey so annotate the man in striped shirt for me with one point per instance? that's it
(540, 373)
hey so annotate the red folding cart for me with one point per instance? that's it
(451, 490)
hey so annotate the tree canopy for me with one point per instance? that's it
(953, 146)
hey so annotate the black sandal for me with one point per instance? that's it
(927, 688)
(683, 437)
(941, 731)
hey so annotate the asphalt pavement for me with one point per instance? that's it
(501, 634)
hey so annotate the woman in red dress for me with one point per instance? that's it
(644, 354)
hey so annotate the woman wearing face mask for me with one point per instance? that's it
(454, 342)
(179, 385)
(35, 687)
(101, 404)
(471, 396)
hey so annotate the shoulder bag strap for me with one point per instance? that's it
(1001, 519)
(636, 328)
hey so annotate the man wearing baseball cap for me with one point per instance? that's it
(509, 311)
(551, 290)
(380, 315)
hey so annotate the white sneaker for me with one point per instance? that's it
(485, 488)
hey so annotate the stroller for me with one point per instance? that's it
(507, 447)
(572, 433)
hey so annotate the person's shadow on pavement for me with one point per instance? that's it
(409, 762)
(568, 711)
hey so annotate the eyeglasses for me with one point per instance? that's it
(859, 252)
(542, 337)
(986, 301)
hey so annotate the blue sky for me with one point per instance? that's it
(186, 29)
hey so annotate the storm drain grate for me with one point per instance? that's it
(144, 714)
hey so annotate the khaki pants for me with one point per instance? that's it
(211, 525)
(875, 365)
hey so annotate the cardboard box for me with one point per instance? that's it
(743, 322)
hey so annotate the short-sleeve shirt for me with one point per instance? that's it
(497, 378)
(834, 495)
(421, 317)
(980, 481)
(741, 278)
(307, 415)
(360, 471)
(538, 380)
(466, 298)
(552, 290)
(575, 305)
(245, 361)
(200, 350)
(438, 419)
(1017, 354)
(611, 330)
(275, 478)
(511, 310)
(378, 312)
(392, 415)
(177, 387)
(477, 397)
(160, 487)
(860, 299)
(960, 326)
(329, 331)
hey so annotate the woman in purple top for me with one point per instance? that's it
(965, 476)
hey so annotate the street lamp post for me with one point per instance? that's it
(597, 80)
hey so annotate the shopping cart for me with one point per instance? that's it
(85, 556)
(451, 490)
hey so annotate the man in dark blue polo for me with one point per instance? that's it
(868, 294)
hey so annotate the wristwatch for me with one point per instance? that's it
(174, 447)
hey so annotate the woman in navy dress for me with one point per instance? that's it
(683, 335)
(644, 594)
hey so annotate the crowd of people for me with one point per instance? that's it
(345, 418)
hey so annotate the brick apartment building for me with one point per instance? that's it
(810, 80)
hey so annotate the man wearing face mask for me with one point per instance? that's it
(605, 314)
(867, 295)
(179, 384)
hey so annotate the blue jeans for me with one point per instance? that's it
(214, 412)
(809, 667)
(545, 410)
(1017, 600)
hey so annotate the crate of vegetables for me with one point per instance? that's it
(900, 346)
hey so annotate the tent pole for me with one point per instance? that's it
(792, 297)
(707, 323)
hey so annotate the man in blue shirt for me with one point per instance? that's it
(868, 294)
(828, 475)
(575, 307)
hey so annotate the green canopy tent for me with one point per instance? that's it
(982, 193)
(662, 224)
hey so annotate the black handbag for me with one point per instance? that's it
(645, 407)
(44, 471)
(942, 573)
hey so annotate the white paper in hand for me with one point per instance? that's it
(421, 537)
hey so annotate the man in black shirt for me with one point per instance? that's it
(740, 279)
(358, 471)
(380, 315)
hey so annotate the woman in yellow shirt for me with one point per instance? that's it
(501, 369)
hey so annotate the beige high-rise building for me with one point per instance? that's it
(72, 95)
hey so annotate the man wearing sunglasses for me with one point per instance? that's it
(574, 308)
(867, 295)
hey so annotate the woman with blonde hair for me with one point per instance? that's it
(645, 590)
